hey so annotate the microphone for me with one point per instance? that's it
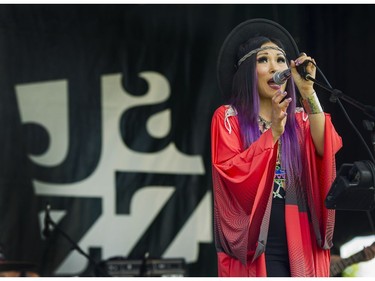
(47, 230)
(281, 77)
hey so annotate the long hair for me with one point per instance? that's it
(245, 99)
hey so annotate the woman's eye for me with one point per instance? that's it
(282, 60)
(262, 60)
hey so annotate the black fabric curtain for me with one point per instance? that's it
(105, 116)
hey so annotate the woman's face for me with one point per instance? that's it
(268, 62)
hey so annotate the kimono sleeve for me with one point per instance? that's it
(244, 172)
(322, 172)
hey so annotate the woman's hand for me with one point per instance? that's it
(304, 86)
(279, 114)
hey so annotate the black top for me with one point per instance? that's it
(277, 259)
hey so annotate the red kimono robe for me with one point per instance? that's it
(242, 187)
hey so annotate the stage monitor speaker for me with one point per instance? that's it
(123, 267)
(354, 188)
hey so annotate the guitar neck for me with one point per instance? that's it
(340, 265)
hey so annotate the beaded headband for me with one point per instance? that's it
(258, 50)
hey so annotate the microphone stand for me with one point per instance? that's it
(49, 221)
(143, 267)
(368, 110)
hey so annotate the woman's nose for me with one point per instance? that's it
(274, 67)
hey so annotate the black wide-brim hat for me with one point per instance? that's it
(227, 60)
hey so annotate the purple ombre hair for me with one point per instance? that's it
(245, 99)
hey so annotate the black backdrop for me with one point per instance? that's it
(105, 113)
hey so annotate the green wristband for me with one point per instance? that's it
(311, 104)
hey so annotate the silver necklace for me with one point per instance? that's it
(264, 123)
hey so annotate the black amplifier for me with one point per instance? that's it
(122, 267)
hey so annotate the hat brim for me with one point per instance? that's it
(255, 27)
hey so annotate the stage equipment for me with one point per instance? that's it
(20, 268)
(123, 267)
(353, 188)
(9, 268)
